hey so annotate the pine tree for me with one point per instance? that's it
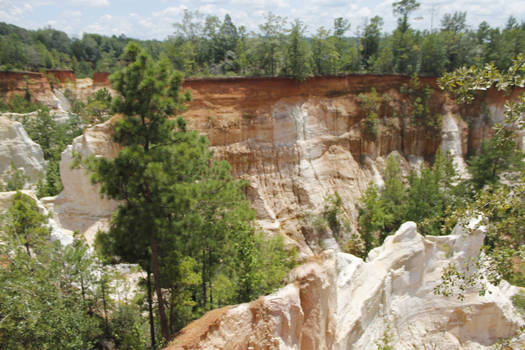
(181, 213)
(372, 218)
(156, 163)
(27, 223)
(495, 156)
(298, 56)
(393, 196)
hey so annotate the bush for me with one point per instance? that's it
(128, 328)
(420, 111)
(371, 105)
(20, 104)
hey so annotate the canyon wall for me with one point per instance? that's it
(49, 87)
(18, 83)
(298, 143)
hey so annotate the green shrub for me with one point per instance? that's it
(370, 104)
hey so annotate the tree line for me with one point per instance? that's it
(210, 46)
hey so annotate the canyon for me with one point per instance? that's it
(295, 144)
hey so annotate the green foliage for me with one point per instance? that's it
(325, 56)
(26, 224)
(51, 184)
(259, 266)
(20, 104)
(44, 299)
(432, 196)
(206, 45)
(433, 54)
(518, 300)
(269, 49)
(53, 138)
(97, 108)
(372, 217)
(156, 170)
(333, 222)
(394, 196)
(497, 155)
(380, 214)
(333, 209)
(504, 209)
(406, 51)
(128, 328)
(499, 203)
(385, 342)
(403, 9)
(429, 199)
(297, 63)
(420, 109)
(371, 104)
(371, 40)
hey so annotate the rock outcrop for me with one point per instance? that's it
(16, 148)
(80, 206)
(338, 301)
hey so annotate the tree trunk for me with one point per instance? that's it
(106, 325)
(156, 275)
(28, 249)
(209, 278)
(150, 309)
(83, 290)
(203, 277)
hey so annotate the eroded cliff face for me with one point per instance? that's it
(48, 88)
(18, 83)
(297, 143)
(338, 301)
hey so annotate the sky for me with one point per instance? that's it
(153, 19)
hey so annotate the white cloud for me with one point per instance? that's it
(15, 9)
(332, 3)
(95, 3)
(71, 14)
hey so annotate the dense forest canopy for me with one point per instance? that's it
(210, 46)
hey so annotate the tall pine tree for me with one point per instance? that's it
(155, 162)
